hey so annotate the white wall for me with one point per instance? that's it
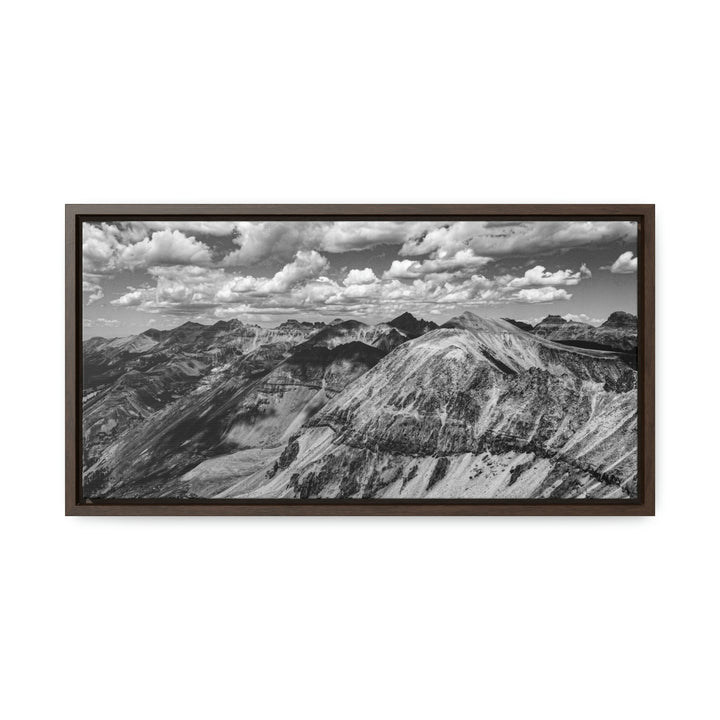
(363, 102)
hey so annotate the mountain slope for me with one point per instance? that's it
(105, 360)
(619, 332)
(405, 409)
(477, 408)
(253, 407)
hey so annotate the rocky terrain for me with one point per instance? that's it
(618, 332)
(476, 408)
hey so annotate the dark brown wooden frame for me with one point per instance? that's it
(643, 214)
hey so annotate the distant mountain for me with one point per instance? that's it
(411, 326)
(621, 319)
(385, 336)
(296, 325)
(554, 321)
(105, 360)
(405, 409)
(618, 332)
(520, 324)
(470, 321)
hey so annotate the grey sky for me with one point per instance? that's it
(160, 274)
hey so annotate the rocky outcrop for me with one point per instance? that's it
(482, 396)
(618, 333)
(622, 320)
(256, 403)
(411, 326)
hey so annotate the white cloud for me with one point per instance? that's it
(185, 279)
(447, 247)
(281, 239)
(260, 240)
(539, 276)
(165, 247)
(308, 264)
(459, 262)
(96, 292)
(134, 297)
(99, 322)
(300, 286)
(99, 248)
(108, 248)
(498, 239)
(541, 295)
(582, 318)
(179, 289)
(624, 265)
(360, 277)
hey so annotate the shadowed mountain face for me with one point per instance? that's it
(411, 326)
(404, 409)
(382, 336)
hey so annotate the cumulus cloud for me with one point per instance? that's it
(541, 295)
(134, 297)
(99, 247)
(307, 264)
(281, 239)
(96, 292)
(538, 275)
(111, 246)
(108, 248)
(165, 247)
(302, 285)
(441, 268)
(499, 239)
(360, 277)
(179, 290)
(260, 240)
(460, 262)
(624, 265)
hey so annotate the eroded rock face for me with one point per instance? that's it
(621, 319)
(255, 403)
(127, 380)
(474, 397)
(476, 408)
(411, 326)
(619, 332)
(159, 403)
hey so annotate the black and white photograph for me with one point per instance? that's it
(359, 360)
(382, 359)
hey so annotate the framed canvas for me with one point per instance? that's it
(359, 359)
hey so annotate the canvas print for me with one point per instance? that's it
(374, 360)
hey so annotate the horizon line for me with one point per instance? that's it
(342, 320)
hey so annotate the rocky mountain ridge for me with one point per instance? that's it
(618, 333)
(476, 407)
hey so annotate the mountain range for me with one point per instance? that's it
(472, 408)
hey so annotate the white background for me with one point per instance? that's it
(359, 102)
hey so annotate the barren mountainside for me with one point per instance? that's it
(477, 408)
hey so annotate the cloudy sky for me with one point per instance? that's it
(160, 274)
